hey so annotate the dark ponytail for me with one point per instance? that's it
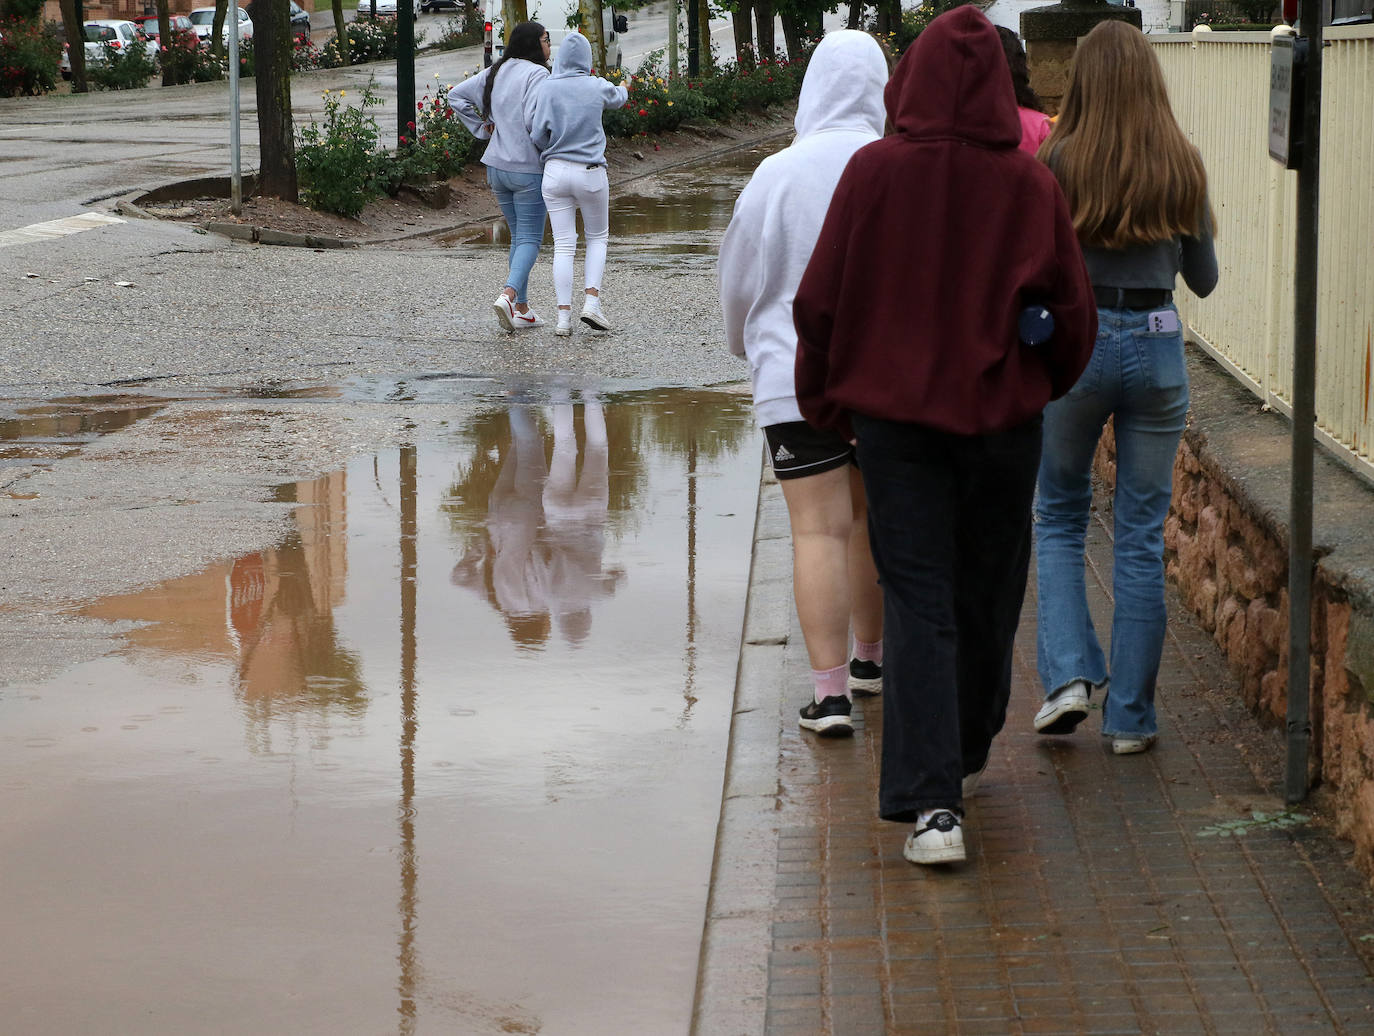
(1026, 97)
(526, 41)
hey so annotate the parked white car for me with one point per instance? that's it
(112, 32)
(384, 8)
(203, 21)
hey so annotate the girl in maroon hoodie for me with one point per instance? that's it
(937, 237)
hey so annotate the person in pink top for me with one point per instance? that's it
(1035, 124)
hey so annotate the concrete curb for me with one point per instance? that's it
(132, 205)
(732, 972)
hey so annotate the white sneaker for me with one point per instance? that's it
(938, 838)
(505, 312)
(592, 315)
(1064, 709)
(564, 327)
(525, 321)
(1132, 743)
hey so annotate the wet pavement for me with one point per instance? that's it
(1169, 892)
(446, 756)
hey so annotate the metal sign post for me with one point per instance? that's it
(1305, 97)
(235, 167)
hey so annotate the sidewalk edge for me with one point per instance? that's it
(732, 971)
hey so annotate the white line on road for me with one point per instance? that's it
(56, 228)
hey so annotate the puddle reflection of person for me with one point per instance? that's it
(545, 529)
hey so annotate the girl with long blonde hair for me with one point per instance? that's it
(1137, 194)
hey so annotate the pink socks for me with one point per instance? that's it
(831, 683)
(866, 652)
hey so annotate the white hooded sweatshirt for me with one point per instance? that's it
(779, 213)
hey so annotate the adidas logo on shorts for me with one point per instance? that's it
(783, 455)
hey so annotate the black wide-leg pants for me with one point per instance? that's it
(950, 523)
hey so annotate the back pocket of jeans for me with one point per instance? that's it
(1161, 359)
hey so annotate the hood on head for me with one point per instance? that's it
(843, 85)
(574, 57)
(954, 82)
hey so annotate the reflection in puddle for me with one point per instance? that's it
(447, 757)
(51, 431)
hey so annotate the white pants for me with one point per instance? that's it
(567, 187)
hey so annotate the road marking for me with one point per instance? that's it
(56, 228)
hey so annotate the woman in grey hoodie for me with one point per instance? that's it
(498, 111)
(566, 128)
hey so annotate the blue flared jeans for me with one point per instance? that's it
(1139, 378)
(522, 203)
(949, 520)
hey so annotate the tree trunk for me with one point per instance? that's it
(856, 13)
(164, 39)
(743, 19)
(513, 12)
(341, 34)
(763, 15)
(76, 44)
(792, 33)
(272, 46)
(708, 60)
(217, 28)
(591, 24)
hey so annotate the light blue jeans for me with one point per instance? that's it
(1138, 377)
(522, 203)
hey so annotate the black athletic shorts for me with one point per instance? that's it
(796, 449)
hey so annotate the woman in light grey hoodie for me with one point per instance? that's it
(498, 111)
(566, 128)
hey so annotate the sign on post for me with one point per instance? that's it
(1287, 76)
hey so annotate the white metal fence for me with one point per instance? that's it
(1219, 86)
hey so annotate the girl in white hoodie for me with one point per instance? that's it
(776, 222)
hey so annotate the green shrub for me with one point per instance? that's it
(122, 68)
(336, 164)
(28, 58)
(369, 39)
(305, 56)
(184, 60)
(659, 104)
(465, 32)
(437, 147)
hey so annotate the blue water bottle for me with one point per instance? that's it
(1035, 326)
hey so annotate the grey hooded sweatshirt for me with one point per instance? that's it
(568, 106)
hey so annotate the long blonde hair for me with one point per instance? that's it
(1129, 174)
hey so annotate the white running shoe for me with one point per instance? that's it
(564, 327)
(938, 838)
(592, 315)
(1130, 744)
(525, 321)
(1064, 709)
(505, 312)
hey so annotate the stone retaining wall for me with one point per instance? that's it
(1226, 551)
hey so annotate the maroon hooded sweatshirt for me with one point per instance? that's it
(936, 238)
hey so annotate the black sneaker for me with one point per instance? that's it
(828, 718)
(865, 677)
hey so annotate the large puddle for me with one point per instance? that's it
(674, 218)
(447, 758)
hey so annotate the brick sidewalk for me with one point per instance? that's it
(1167, 892)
